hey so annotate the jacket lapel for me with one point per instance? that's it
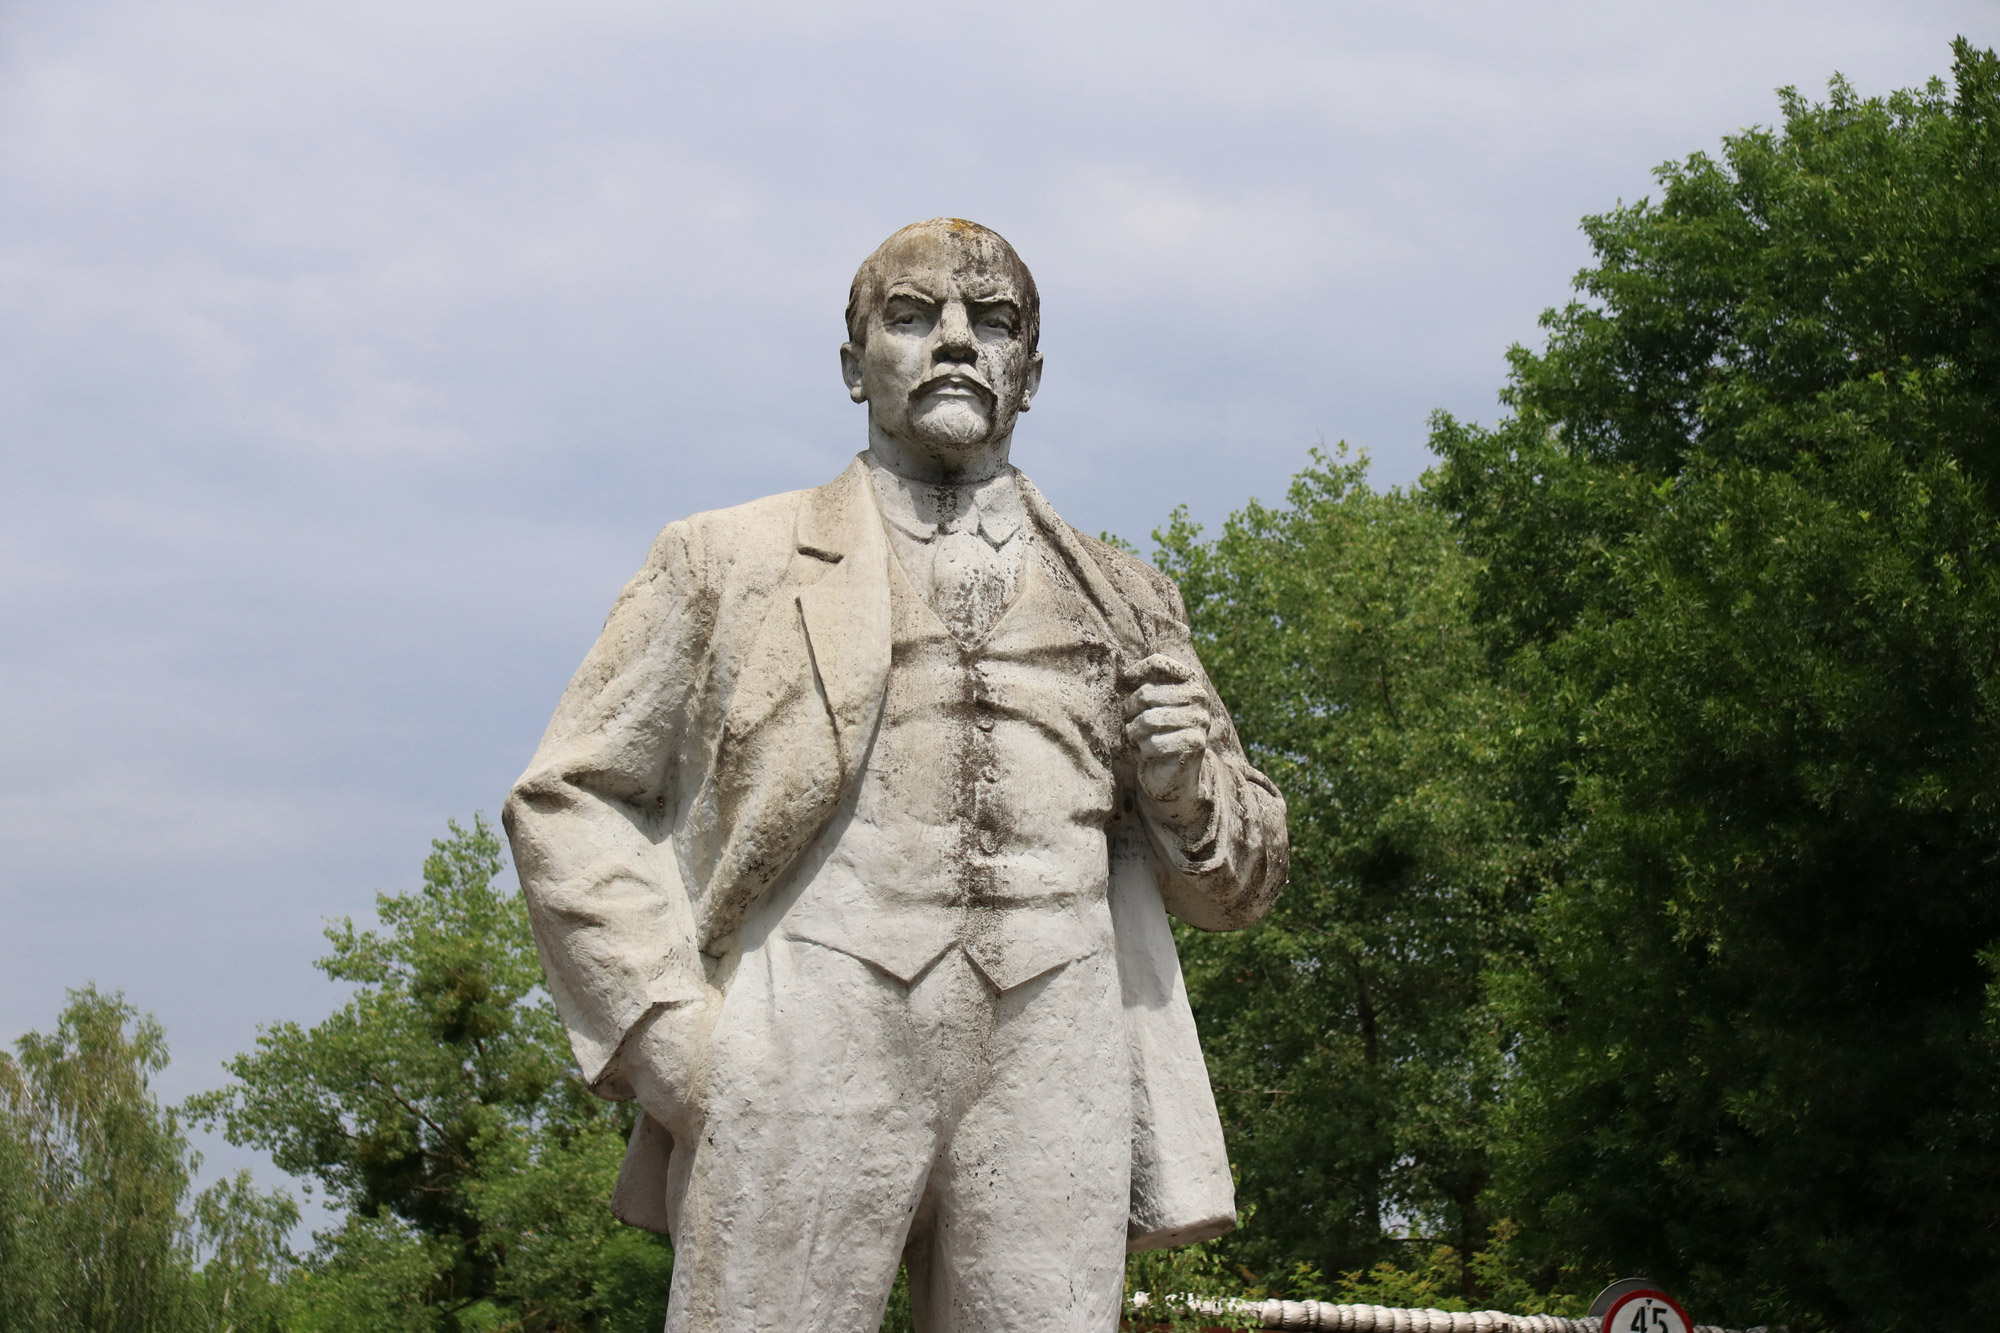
(1116, 611)
(803, 705)
(846, 610)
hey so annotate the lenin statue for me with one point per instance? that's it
(850, 852)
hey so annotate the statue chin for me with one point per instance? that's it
(954, 424)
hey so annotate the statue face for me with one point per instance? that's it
(944, 368)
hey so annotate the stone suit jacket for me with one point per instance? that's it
(709, 736)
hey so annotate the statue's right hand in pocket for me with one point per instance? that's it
(667, 1064)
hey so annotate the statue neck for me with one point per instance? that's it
(936, 467)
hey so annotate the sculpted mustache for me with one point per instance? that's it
(925, 385)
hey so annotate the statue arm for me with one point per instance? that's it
(591, 820)
(1223, 868)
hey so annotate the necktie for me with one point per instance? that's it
(969, 584)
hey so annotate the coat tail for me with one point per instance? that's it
(639, 1199)
(1182, 1190)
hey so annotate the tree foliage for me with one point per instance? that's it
(1353, 1051)
(439, 1110)
(100, 1227)
(1738, 546)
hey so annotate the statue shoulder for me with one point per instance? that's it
(751, 528)
(728, 544)
(1141, 585)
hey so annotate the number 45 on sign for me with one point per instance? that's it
(1647, 1312)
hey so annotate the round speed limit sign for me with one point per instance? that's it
(1646, 1311)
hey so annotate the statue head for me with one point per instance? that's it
(942, 323)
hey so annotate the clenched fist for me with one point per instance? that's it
(1166, 724)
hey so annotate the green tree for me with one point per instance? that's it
(244, 1234)
(1739, 546)
(1354, 1054)
(440, 1110)
(98, 1229)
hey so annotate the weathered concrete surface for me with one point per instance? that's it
(849, 853)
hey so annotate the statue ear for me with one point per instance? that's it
(1031, 383)
(850, 370)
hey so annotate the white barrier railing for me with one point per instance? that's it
(1373, 1318)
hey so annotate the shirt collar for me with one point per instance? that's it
(923, 510)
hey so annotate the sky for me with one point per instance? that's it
(351, 355)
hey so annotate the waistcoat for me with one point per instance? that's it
(978, 819)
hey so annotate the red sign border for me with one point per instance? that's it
(1607, 1326)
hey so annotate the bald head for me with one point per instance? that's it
(950, 243)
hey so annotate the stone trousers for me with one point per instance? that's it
(983, 1137)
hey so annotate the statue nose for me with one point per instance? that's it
(954, 334)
